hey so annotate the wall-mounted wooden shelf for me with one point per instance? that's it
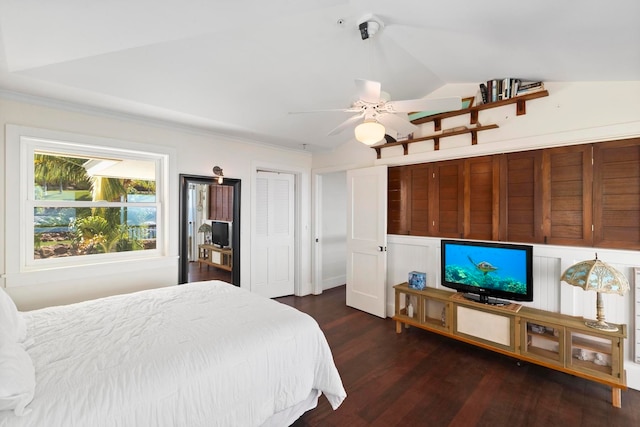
(521, 109)
(520, 101)
(436, 138)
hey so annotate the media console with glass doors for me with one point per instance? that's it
(548, 339)
(215, 256)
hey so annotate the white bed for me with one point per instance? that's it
(201, 354)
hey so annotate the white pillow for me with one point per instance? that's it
(12, 324)
(17, 378)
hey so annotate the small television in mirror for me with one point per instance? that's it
(220, 234)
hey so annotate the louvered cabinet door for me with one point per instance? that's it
(481, 198)
(446, 210)
(398, 193)
(617, 194)
(567, 196)
(220, 202)
(521, 197)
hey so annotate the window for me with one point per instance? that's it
(86, 203)
(91, 205)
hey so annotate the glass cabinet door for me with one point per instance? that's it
(592, 353)
(437, 314)
(408, 305)
(543, 341)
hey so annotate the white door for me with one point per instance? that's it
(367, 239)
(272, 273)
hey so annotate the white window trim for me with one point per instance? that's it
(20, 145)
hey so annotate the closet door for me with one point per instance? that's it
(272, 273)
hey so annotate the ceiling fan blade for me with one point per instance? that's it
(368, 90)
(346, 124)
(439, 105)
(339, 110)
(401, 125)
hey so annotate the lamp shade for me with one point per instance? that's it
(369, 132)
(204, 228)
(595, 275)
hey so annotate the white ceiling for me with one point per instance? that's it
(238, 67)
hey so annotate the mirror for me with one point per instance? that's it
(195, 208)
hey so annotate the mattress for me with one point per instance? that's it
(200, 354)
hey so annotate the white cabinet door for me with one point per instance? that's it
(367, 239)
(273, 240)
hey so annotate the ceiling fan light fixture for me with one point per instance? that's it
(369, 132)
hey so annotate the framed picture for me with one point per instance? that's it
(467, 102)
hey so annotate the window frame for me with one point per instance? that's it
(22, 144)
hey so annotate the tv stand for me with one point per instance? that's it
(215, 256)
(553, 340)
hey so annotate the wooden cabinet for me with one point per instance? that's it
(594, 354)
(616, 195)
(581, 195)
(215, 256)
(220, 202)
(398, 192)
(567, 180)
(481, 198)
(542, 340)
(456, 198)
(446, 201)
(548, 339)
(521, 197)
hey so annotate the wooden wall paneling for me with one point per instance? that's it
(581, 195)
(447, 211)
(521, 197)
(419, 200)
(479, 203)
(220, 202)
(616, 200)
(567, 213)
(398, 191)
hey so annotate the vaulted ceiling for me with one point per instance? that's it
(239, 67)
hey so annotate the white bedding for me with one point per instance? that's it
(202, 354)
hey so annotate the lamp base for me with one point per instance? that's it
(601, 325)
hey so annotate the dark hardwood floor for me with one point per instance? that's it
(198, 273)
(418, 378)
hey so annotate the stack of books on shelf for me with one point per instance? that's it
(499, 89)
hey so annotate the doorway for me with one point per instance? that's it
(331, 230)
(195, 194)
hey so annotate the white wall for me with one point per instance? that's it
(197, 153)
(573, 113)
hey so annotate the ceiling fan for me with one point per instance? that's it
(376, 114)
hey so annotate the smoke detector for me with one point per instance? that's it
(369, 25)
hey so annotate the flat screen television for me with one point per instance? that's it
(220, 234)
(488, 271)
